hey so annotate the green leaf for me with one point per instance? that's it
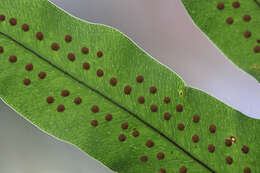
(159, 125)
(233, 26)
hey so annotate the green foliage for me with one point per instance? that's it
(158, 132)
(239, 41)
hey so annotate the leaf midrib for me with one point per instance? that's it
(111, 100)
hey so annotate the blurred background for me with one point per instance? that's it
(165, 31)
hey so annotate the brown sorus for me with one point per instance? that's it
(13, 21)
(247, 34)
(183, 169)
(113, 81)
(86, 65)
(108, 117)
(100, 73)
(196, 118)
(139, 79)
(160, 156)
(149, 143)
(2, 17)
(162, 170)
(84, 50)
(135, 133)
(153, 89)
(181, 127)
(26, 81)
(141, 99)
(94, 108)
(220, 6)
(229, 160)
(167, 100)
(25, 27)
(247, 170)
(144, 159)
(228, 142)
(179, 108)
(211, 148)
(195, 138)
(127, 89)
(55, 46)
(39, 35)
(245, 149)
(99, 54)
(94, 123)
(124, 125)
(121, 137)
(77, 100)
(257, 49)
(49, 99)
(246, 18)
(212, 128)
(13, 59)
(60, 108)
(29, 67)
(236, 4)
(71, 56)
(68, 38)
(167, 116)
(229, 20)
(154, 108)
(42, 75)
(65, 93)
(1, 49)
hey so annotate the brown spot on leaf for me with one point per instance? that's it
(49, 99)
(162, 170)
(247, 170)
(65, 93)
(135, 133)
(99, 54)
(1, 49)
(183, 169)
(124, 125)
(245, 149)
(149, 143)
(196, 118)
(113, 81)
(160, 156)
(2, 17)
(94, 123)
(179, 108)
(236, 4)
(154, 108)
(247, 34)
(220, 6)
(26, 81)
(127, 89)
(229, 20)
(42, 75)
(144, 159)
(181, 127)
(71, 56)
(257, 49)
(122, 137)
(84, 50)
(246, 18)
(100, 73)
(109, 117)
(13, 21)
(68, 38)
(55, 46)
(60, 108)
(228, 142)
(39, 36)
(77, 100)
(139, 79)
(86, 65)
(94, 108)
(153, 89)
(229, 160)
(195, 138)
(167, 116)
(25, 27)
(141, 99)
(12, 59)
(211, 148)
(29, 67)
(212, 128)
(167, 100)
